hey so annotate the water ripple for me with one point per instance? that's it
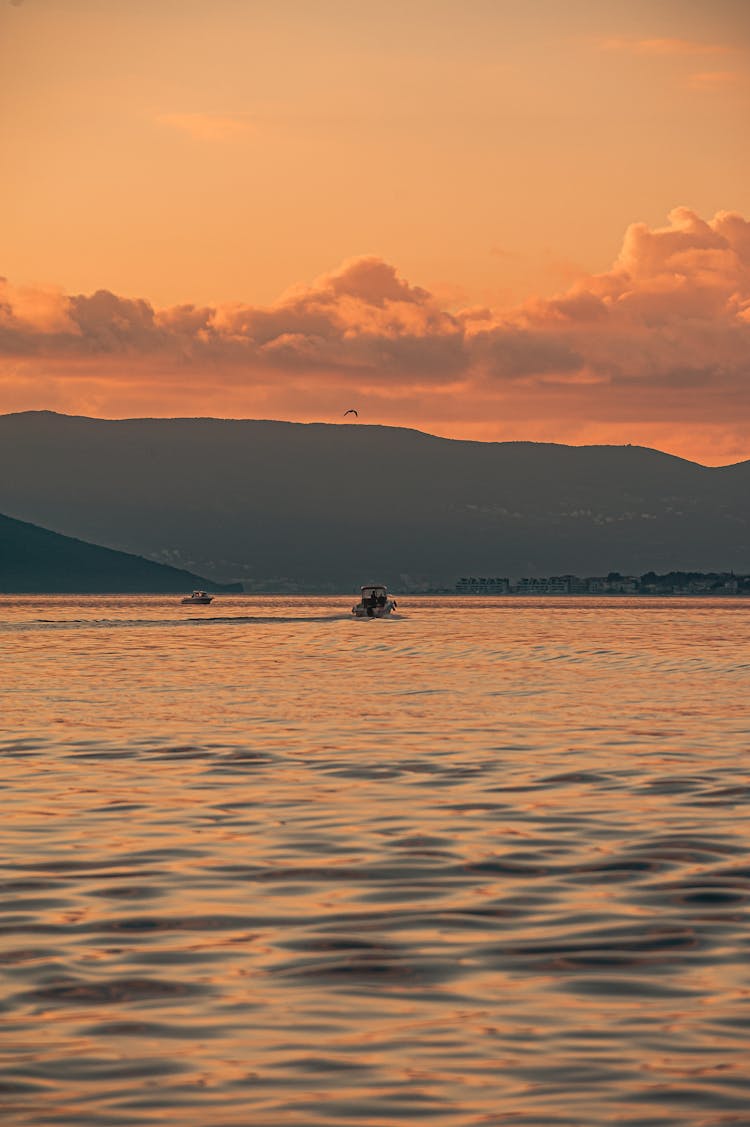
(484, 864)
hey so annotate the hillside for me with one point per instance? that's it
(34, 560)
(323, 506)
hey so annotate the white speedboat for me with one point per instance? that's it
(374, 603)
(198, 597)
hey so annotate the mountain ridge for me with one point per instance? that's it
(513, 442)
(325, 506)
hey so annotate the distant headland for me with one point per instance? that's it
(37, 561)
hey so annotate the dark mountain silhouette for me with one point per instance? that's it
(34, 560)
(329, 506)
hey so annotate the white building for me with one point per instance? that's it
(482, 585)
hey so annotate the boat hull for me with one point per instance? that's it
(373, 612)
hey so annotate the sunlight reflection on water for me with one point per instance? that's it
(484, 863)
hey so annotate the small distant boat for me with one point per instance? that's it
(374, 603)
(198, 597)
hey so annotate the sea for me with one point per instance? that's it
(265, 865)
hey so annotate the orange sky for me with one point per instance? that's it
(483, 219)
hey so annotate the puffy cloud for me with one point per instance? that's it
(662, 338)
(29, 314)
(371, 281)
(510, 352)
(675, 301)
(107, 323)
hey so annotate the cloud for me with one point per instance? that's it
(665, 46)
(207, 127)
(660, 339)
(713, 79)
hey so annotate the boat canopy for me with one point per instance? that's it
(373, 589)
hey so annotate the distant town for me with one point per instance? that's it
(671, 583)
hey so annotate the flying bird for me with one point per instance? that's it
(351, 411)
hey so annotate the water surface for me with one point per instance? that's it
(484, 863)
